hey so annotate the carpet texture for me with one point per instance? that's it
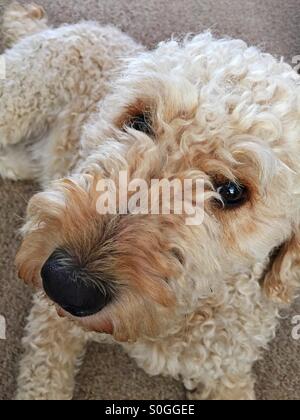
(107, 372)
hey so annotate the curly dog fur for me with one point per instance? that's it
(198, 303)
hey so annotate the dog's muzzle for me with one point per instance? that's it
(69, 286)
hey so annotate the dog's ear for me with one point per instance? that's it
(283, 275)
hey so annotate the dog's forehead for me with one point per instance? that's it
(210, 75)
(212, 103)
(218, 93)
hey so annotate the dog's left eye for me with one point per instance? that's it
(142, 123)
(232, 195)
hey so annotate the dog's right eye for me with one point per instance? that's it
(232, 195)
(141, 122)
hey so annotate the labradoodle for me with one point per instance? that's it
(83, 103)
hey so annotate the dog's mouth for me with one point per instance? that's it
(99, 322)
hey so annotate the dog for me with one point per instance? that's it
(82, 103)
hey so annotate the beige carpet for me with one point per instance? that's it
(108, 373)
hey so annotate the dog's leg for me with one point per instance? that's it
(29, 102)
(229, 387)
(53, 350)
(15, 164)
(42, 83)
(20, 21)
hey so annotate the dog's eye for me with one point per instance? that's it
(142, 123)
(177, 253)
(232, 195)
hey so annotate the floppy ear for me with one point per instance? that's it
(283, 275)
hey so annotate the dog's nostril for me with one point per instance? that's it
(70, 287)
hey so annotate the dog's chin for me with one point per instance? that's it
(95, 323)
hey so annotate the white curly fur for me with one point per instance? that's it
(221, 108)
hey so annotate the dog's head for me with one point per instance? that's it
(205, 109)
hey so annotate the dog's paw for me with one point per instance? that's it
(20, 21)
(35, 11)
(31, 10)
(196, 394)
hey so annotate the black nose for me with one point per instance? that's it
(70, 286)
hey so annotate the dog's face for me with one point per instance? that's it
(206, 110)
